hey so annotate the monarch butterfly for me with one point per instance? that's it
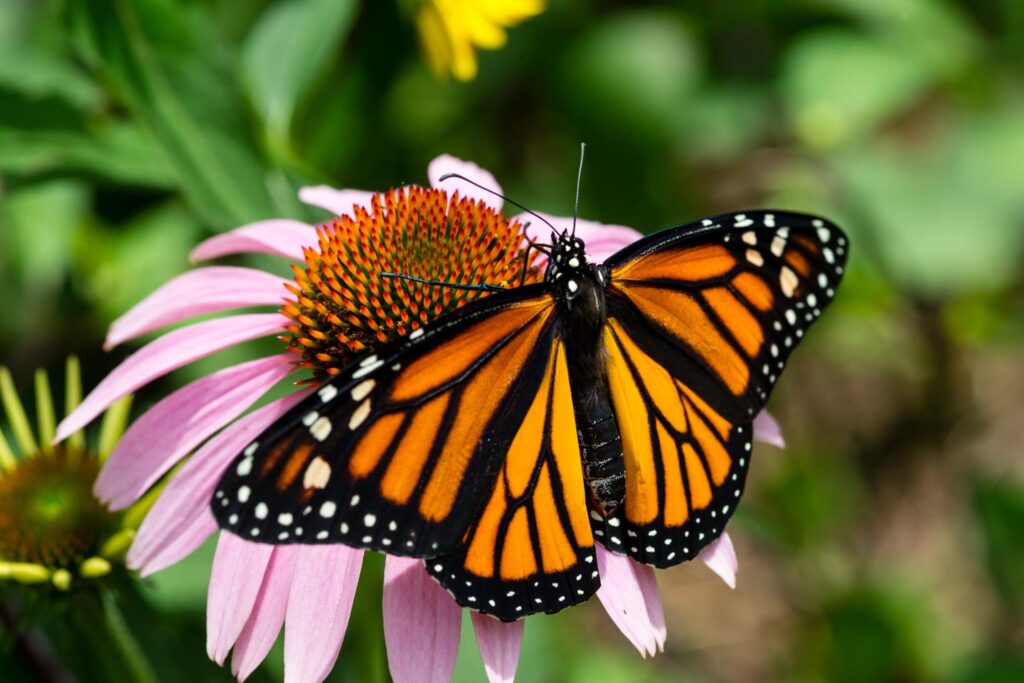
(610, 403)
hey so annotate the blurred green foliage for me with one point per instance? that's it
(884, 545)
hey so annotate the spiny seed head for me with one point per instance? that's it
(343, 305)
(48, 514)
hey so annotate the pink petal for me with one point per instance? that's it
(238, 568)
(180, 520)
(182, 421)
(338, 202)
(767, 429)
(652, 599)
(499, 644)
(260, 632)
(169, 352)
(205, 290)
(449, 164)
(623, 599)
(602, 240)
(421, 624)
(281, 237)
(319, 606)
(720, 557)
(188, 534)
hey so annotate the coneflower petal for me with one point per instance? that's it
(264, 624)
(623, 598)
(421, 624)
(238, 569)
(338, 202)
(652, 599)
(280, 236)
(180, 422)
(180, 520)
(169, 352)
(319, 605)
(720, 557)
(499, 643)
(446, 164)
(204, 290)
(767, 429)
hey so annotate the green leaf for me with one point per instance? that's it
(999, 508)
(120, 152)
(840, 85)
(633, 73)
(126, 265)
(944, 217)
(164, 61)
(287, 49)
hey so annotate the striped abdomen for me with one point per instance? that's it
(601, 450)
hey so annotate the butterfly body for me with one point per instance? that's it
(610, 404)
(582, 315)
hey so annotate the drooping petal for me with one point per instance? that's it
(720, 557)
(652, 599)
(499, 644)
(602, 240)
(446, 163)
(260, 632)
(182, 421)
(180, 520)
(421, 624)
(319, 606)
(169, 352)
(204, 290)
(623, 598)
(338, 202)
(280, 237)
(238, 568)
(767, 429)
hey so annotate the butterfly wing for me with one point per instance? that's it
(399, 451)
(702, 319)
(531, 547)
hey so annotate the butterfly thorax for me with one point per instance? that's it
(579, 288)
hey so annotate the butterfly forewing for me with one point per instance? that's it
(399, 451)
(723, 302)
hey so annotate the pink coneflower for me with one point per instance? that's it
(336, 306)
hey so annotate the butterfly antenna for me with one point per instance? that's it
(579, 177)
(452, 285)
(446, 176)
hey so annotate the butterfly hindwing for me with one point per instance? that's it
(685, 464)
(530, 548)
(398, 452)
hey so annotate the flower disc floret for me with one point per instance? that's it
(344, 304)
(48, 514)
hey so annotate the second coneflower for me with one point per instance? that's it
(336, 306)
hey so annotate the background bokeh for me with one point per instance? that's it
(886, 543)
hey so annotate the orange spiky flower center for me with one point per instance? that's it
(343, 304)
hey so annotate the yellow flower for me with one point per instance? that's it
(452, 30)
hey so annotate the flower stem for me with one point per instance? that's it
(109, 636)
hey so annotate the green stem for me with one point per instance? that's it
(111, 640)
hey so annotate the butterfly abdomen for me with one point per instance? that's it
(601, 451)
(597, 430)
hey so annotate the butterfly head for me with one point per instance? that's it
(568, 263)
